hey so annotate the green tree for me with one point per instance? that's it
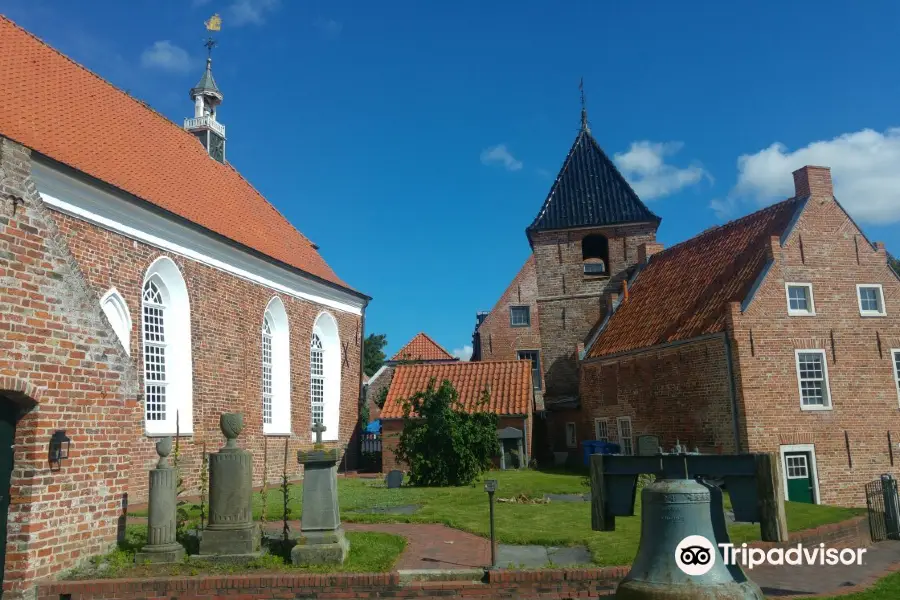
(895, 264)
(442, 443)
(373, 356)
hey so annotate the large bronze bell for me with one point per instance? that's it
(671, 511)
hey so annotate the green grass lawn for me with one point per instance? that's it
(370, 552)
(887, 588)
(561, 523)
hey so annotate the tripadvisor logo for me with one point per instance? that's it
(696, 555)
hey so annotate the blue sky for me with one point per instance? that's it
(415, 141)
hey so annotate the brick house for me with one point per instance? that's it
(420, 349)
(507, 382)
(145, 287)
(778, 332)
(584, 240)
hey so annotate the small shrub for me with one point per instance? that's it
(442, 443)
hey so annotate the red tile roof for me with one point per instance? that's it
(509, 382)
(58, 108)
(684, 292)
(422, 347)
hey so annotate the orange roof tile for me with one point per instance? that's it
(422, 347)
(684, 292)
(509, 382)
(58, 108)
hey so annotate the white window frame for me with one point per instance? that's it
(828, 400)
(619, 421)
(178, 356)
(571, 440)
(895, 367)
(326, 328)
(116, 310)
(281, 369)
(597, 435)
(526, 308)
(812, 303)
(787, 449)
(870, 313)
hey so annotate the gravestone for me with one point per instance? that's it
(162, 546)
(322, 540)
(231, 530)
(648, 445)
(394, 479)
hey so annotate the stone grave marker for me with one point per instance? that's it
(162, 547)
(231, 530)
(322, 540)
(648, 445)
(394, 479)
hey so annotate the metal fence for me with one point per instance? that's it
(875, 504)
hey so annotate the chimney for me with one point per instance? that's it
(813, 181)
(612, 299)
(648, 249)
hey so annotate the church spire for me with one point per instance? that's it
(584, 119)
(207, 98)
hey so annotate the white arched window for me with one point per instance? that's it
(276, 370)
(325, 375)
(116, 311)
(166, 334)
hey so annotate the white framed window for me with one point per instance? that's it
(601, 430)
(325, 376)
(166, 342)
(812, 379)
(626, 439)
(800, 299)
(895, 356)
(871, 299)
(276, 370)
(116, 310)
(797, 467)
(571, 435)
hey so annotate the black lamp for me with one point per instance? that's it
(59, 449)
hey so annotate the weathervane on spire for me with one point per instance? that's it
(584, 121)
(213, 24)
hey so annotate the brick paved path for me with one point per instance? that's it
(820, 580)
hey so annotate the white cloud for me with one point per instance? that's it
(865, 169)
(166, 56)
(249, 12)
(645, 168)
(464, 353)
(329, 27)
(499, 155)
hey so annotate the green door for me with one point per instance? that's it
(8, 415)
(798, 466)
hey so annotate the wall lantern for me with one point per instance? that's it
(59, 449)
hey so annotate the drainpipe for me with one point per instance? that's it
(732, 388)
(525, 439)
(362, 371)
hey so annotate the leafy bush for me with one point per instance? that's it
(442, 443)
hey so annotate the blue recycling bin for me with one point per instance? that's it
(598, 447)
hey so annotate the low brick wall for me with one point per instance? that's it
(852, 533)
(556, 584)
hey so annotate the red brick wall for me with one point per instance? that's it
(825, 249)
(226, 316)
(571, 304)
(57, 350)
(527, 585)
(391, 428)
(499, 340)
(681, 393)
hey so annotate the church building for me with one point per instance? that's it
(778, 332)
(145, 288)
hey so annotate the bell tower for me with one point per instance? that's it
(207, 97)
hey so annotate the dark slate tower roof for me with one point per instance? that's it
(589, 192)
